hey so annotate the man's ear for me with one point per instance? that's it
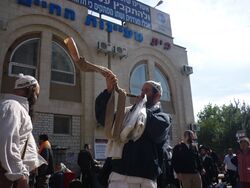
(158, 95)
(30, 91)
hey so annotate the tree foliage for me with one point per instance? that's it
(219, 125)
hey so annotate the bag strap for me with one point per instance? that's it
(24, 149)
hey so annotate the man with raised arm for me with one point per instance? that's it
(141, 158)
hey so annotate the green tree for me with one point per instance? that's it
(219, 125)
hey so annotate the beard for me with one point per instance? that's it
(189, 140)
(150, 101)
(32, 98)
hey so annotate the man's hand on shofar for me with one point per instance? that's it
(111, 80)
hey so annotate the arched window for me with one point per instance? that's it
(24, 58)
(62, 69)
(138, 77)
(159, 77)
(140, 74)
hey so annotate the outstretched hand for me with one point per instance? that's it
(111, 80)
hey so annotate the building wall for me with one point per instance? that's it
(66, 147)
(18, 20)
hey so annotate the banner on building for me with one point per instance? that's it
(130, 11)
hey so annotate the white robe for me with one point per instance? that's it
(133, 127)
(15, 128)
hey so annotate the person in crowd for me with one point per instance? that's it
(216, 161)
(244, 162)
(187, 163)
(214, 156)
(167, 178)
(57, 180)
(18, 151)
(86, 164)
(46, 170)
(209, 166)
(139, 164)
(230, 168)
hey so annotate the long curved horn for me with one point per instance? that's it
(86, 66)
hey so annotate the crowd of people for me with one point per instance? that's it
(139, 157)
(237, 166)
(201, 167)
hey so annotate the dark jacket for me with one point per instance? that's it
(140, 158)
(85, 160)
(211, 171)
(186, 160)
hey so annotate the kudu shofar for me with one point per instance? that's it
(112, 128)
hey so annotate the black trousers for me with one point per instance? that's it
(87, 178)
(232, 177)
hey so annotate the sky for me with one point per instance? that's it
(216, 35)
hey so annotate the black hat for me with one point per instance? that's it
(43, 137)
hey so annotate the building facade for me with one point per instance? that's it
(32, 34)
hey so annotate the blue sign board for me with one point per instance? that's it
(130, 11)
(110, 27)
(90, 20)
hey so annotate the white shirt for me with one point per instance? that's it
(228, 164)
(15, 129)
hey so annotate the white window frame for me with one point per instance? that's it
(61, 71)
(20, 64)
(166, 80)
(156, 67)
(136, 68)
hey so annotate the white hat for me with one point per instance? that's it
(25, 81)
(246, 139)
(156, 85)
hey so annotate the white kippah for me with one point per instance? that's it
(25, 81)
(156, 85)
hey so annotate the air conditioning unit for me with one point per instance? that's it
(187, 70)
(105, 47)
(121, 51)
